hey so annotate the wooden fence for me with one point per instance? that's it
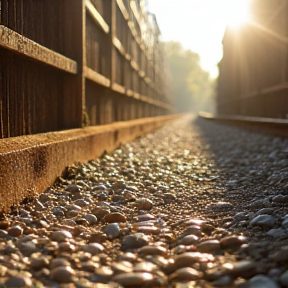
(253, 73)
(69, 63)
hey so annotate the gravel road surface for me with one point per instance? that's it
(195, 204)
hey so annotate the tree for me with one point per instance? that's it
(191, 86)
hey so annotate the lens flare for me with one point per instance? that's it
(238, 13)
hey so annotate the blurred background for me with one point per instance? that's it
(193, 31)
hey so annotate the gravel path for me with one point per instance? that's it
(195, 204)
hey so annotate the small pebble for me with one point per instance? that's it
(60, 236)
(232, 242)
(186, 274)
(114, 218)
(93, 248)
(144, 204)
(112, 230)
(262, 281)
(189, 258)
(62, 274)
(134, 241)
(209, 246)
(4, 224)
(92, 219)
(15, 231)
(18, 281)
(264, 220)
(134, 279)
(284, 279)
(188, 240)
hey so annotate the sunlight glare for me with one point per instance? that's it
(238, 13)
(193, 20)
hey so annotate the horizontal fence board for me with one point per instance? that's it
(96, 77)
(117, 43)
(129, 93)
(134, 65)
(32, 162)
(97, 16)
(103, 47)
(19, 44)
(118, 88)
(123, 9)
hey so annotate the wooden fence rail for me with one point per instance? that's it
(67, 63)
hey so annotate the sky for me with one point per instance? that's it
(199, 25)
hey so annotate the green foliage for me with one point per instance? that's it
(86, 119)
(191, 86)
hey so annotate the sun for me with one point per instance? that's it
(238, 13)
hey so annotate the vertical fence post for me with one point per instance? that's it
(75, 84)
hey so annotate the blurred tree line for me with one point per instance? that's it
(191, 87)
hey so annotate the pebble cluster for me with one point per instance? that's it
(195, 204)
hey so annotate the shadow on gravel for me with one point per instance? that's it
(252, 173)
(252, 170)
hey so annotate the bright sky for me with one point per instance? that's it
(199, 25)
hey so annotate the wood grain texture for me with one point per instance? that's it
(96, 77)
(97, 16)
(32, 162)
(123, 9)
(17, 43)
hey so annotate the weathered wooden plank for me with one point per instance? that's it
(134, 32)
(142, 74)
(96, 77)
(112, 49)
(156, 102)
(128, 57)
(117, 43)
(53, 151)
(134, 65)
(97, 16)
(136, 95)
(123, 9)
(147, 80)
(118, 88)
(17, 43)
(74, 85)
(129, 93)
(135, 12)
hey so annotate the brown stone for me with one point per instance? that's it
(97, 237)
(39, 263)
(148, 230)
(93, 248)
(232, 242)
(144, 204)
(186, 274)
(152, 250)
(4, 224)
(209, 246)
(114, 218)
(190, 258)
(188, 240)
(62, 274)
(15, 231)
(60, 236)
(133, 279)
(100, 212)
